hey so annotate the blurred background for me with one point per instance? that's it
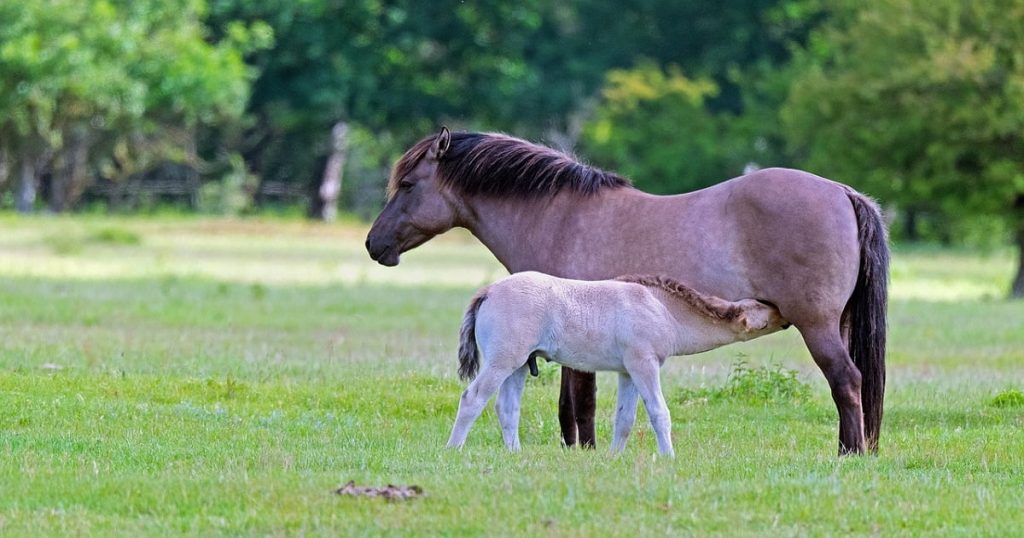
(298, 107)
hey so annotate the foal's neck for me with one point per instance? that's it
(697, 331)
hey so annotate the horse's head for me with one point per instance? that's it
(419, 206)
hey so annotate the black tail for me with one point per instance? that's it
(469, 358)
(866, 313)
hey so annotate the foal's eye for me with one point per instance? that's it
(406, 185)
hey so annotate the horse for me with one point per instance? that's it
(628, 325)
(815, 249)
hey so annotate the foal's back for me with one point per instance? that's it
(580, 324)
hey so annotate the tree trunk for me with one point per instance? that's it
(26, 198)
(5, 168)
(330, 186)
(912, 229)
(69, 172)
(1017, 291)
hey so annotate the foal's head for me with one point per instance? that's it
(757, 317)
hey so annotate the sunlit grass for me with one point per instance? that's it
(215, 377)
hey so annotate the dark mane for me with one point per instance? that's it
(491, 164)
(708, 305)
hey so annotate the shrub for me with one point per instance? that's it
(1008, 398)
(770, 384)
(115, 236)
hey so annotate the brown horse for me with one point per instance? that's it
(814, 248)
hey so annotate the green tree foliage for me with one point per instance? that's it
(920, 102)
(652, 126)
(395, 68)
(743, 48)
(722, 41)
(109, 84)
(398, 68)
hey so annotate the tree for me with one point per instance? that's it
(396, 67)
(653, 126)
(920, 102)
(92, 83)
(706, 38)
(741, 48)
(399, 68)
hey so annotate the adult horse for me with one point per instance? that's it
(814, 248)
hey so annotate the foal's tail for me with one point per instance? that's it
(469, 356)
(866, 313)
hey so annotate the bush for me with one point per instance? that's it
(1008, 398)
(770, 384)
(115, 236)
(232, 195)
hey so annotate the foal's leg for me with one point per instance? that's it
(644, 369)
(625, 412)
(507, 407)
(473, 401)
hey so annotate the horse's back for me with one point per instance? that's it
(780, 235)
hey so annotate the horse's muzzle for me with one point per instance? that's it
(384, 254)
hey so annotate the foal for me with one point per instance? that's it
(629, 325)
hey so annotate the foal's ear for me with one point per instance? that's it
(442, 142)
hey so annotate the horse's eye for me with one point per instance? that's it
(406, 185)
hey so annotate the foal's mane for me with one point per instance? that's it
(498, 165)
(708, 305)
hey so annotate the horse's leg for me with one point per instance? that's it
(507, 407)
(473, 401)
(644, 370)
(826, 344)
(584, 401)
(625, 412)
(566, 412)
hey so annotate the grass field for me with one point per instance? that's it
(212, 377)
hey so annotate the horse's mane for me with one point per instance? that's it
(708, 305)
(492, 164)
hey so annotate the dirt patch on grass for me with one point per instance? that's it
(389, 492)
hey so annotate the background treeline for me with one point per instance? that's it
(231, 106)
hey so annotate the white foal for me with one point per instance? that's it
(629, 325)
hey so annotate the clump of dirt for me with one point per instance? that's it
(389, 492)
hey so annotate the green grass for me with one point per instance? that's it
(217, 377)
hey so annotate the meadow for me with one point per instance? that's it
(222, 377)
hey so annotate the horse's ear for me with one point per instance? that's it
(442, 142)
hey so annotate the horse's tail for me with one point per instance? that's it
(469, 356)
(866, 313)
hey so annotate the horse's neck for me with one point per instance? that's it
(542, 234)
